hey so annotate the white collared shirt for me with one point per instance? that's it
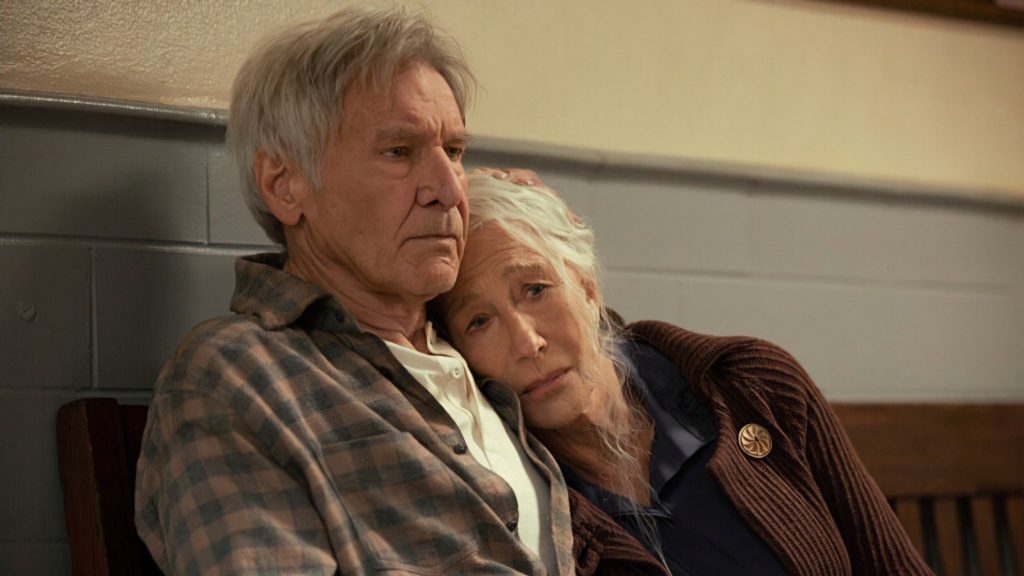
(445, 374)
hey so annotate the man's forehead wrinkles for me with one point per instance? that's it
(400, 133)
(420, 131)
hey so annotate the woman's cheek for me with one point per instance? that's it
(485, 357)
(474, 356)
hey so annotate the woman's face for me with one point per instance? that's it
(508, 314)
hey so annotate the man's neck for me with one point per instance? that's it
(392, 318)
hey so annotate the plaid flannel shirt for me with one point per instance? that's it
(285, 440)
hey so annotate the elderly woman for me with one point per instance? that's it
(719, 455)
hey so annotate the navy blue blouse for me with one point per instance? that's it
(701, 533)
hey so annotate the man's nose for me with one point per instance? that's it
(441, 180)
(526, 341)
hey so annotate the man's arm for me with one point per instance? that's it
(222, 484)
(212, 499)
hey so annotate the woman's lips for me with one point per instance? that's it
(545, 383)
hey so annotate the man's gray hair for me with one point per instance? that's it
(287, 97)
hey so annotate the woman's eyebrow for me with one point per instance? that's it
(460, 302)
(522, 267)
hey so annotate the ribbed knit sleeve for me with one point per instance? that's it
(874, 538)
(603, 548)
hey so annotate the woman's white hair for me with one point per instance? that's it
(539, 219)
(287, 97)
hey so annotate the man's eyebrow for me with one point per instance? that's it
(399, 133)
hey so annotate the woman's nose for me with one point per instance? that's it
(526, 341)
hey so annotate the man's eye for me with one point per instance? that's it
(455, 152)
(397, 152)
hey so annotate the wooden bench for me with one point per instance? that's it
(954, 474)
(98, 444)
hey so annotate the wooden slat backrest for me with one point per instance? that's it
(1015, 523)
(98, 444)
(983, 520)
(937, 449)
(950, 543)
(909, 513)
(955, 476)
(954, 473)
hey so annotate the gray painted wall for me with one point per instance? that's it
(118, 233)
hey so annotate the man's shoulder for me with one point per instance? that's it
(218, 348)
(224, 333)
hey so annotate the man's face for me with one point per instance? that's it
(391, 212)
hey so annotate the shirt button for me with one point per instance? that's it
(459, 448)
(511, 525)
(457, 372)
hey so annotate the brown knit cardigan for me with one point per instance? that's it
(810, 498)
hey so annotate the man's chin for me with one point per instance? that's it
(438, 278)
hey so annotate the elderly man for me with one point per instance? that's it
(324, 427)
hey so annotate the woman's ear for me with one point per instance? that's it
(282, 186)
(592, 293)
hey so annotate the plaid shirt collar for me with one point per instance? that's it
(264, 290)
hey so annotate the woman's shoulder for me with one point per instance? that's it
(739, 375)
(735, 357)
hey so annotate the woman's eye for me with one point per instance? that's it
(535, 290)
(476, 323)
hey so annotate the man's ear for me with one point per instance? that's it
(282, 186)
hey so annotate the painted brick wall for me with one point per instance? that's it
(118, 233)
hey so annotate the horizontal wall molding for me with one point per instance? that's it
(129, 108)
(182, 247)
(594, 161)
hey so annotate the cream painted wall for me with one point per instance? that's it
(792, 84)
